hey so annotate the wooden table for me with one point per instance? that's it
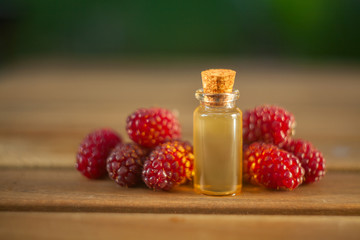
(47, 107)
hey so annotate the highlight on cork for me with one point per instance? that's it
(218, 80)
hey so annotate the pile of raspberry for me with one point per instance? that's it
(157, 156)
(272, 157)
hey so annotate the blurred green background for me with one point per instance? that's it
(300, 29)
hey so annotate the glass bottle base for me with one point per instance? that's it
(215, 191)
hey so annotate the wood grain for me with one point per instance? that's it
(174, 226)
(53, 149)
(66, 190)
(46, 109)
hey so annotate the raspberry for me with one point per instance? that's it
(271, 167)
(93, 151)
(169, 165)
(310, 158)
(124, 164)
(269, 124)
(153, 126)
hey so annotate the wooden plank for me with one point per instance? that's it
(20, 225)
(67, 99)
(46, 109)
(66, 190)
(53, 149)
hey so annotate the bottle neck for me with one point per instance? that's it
(217, 100)
(226, 105)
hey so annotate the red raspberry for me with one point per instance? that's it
(124, 164)
(271, 167)
(153, 126)
(170, 164)
(310, 158)
(93, 151)
(269, 124)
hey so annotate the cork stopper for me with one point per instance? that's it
(218, 80)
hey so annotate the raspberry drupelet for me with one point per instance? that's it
(169, 165)
(269, 124)
(93, 151)
(271, 167)
(124, 164)
(153, 126)
(310, 158)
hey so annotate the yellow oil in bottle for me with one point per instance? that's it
(218, 150)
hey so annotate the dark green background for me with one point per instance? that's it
(325, 29)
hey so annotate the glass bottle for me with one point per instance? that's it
(217, 136)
